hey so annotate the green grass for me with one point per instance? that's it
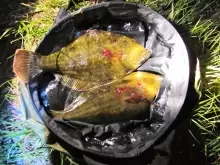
(20, 144)
(204, 32)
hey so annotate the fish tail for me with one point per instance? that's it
(26, 65)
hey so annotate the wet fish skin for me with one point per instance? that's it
(76, 84)
(121, 101)
(95, 56)
(85, 58)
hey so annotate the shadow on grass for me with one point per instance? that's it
(188, 148)
(10, 13)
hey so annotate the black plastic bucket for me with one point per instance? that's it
(169, 58)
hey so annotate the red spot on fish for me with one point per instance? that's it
(120, 90)
(135, 98)
(139, 84)
(107, 53)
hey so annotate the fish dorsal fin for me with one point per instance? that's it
(76, 84)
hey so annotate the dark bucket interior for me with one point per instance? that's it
(124, 139)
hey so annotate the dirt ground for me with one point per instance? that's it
(185, 149)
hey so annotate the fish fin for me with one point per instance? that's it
(26, 65)
(57, 114)
(77, 84)
(57, 76)
(84, 85)
(74, 103)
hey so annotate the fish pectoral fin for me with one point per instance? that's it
(58, 114)
(77, 84)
